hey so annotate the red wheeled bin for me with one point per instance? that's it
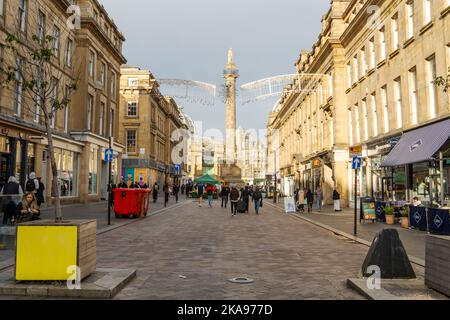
(131, 202)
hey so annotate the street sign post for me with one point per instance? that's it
(356, 165)
(109, 156)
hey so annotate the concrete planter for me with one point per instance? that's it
(390, 219)
(49, 251)
(404, 221)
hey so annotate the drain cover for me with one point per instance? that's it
(241, 280)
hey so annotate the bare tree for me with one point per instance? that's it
(31, 70)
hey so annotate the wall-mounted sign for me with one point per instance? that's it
(355, 151)
(317, 163)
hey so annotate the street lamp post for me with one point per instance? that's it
(275, 175)
(110, 183)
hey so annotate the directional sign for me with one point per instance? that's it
(356, 163)
(109, 155)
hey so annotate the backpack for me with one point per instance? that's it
(30, 186)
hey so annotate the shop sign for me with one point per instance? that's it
(317, 163)
(355, 151)
(368, 209)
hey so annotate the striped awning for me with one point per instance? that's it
(419, 145)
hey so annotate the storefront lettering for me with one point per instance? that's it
(415, 146)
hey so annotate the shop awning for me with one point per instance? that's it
(419, 145)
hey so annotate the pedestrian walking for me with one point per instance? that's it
(183, 188)
(200, 191)
(234, 199)
(245, 196)
(166, 194)
(122, 184)
(257, 199)
(155, 192)
(209, 193)
(319, 198)
(337, 201)
(301, 200)
(224, 194)
(40, 192)
(32, 184)
(11, 188)
(176, 190)
(310, 200)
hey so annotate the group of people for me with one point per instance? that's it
(239, 199)
(306, 198)
(28, 209)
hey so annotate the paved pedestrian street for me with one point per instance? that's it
(191, 252)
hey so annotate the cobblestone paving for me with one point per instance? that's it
(191, 252)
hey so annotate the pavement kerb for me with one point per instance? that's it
(413, 259)
(10, 262)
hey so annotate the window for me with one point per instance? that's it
(427, 11)
(41, 26)
(349, 75)
(384, 102)
(54, 97)
(67, 167)
(113, 85)
(132, 109)
(56, 39)
(366, 119)
(102, 73)
(363, 61)
(69, 53)
(413, 94)
(372, 52)
(131, 141)
(133, 82)
(382, 39)
(93, 170)
(18, 87)
(89, 111)
(358, 124)
(355, 67)
(432, 92)
(37, 98)
(410, 16)
(350, 126)
(22, 14)
(91, 64)
(101, 118)
(1, 7)
(111, 122)
(394, 24)
(398, 102)
(373, 103)
(66, 111)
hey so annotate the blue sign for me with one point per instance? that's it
(356, 163)
(177, 169)
(109, 155)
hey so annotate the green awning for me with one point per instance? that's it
(206, 179)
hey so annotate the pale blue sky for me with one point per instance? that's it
(189, 39)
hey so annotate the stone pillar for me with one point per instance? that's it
(340, 173)
(83, 183)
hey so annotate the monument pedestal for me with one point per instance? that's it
(231, 174)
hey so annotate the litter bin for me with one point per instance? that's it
(131, 202)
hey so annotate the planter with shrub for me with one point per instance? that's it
(389, 213)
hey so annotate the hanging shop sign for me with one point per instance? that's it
(317, 163)
(355, 151)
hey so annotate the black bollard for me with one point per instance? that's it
(387, 252)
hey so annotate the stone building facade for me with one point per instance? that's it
(374, 65)
(82, 129)
(147, 122)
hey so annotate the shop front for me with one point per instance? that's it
(420, 166)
